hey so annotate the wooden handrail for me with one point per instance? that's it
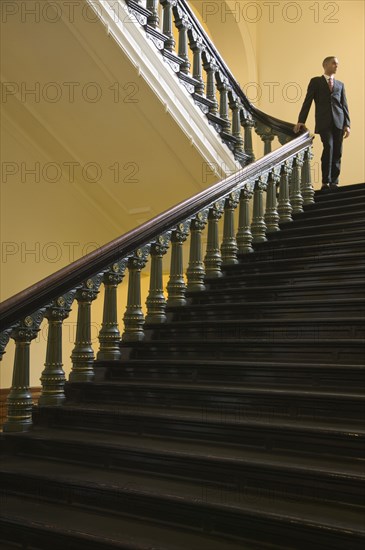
(69, 277)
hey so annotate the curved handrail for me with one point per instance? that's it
(69, 277)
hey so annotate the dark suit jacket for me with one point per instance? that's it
(329, 106)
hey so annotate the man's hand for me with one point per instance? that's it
(346, 132)
(298, 127)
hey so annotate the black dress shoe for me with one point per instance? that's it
(325, 187)
(334, 187)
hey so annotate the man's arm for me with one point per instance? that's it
(346, 112)
(305, 107)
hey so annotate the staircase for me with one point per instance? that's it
(237, 424)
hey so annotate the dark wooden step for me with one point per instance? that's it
(242, 328)
(295, 289)
(281, 239)
(176, 502)
(242, 373)
(311, 230)
(279, 309)
(323, 403)
(314, 437)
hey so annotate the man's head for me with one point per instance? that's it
(330, 65)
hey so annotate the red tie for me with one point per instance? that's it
(330, 84)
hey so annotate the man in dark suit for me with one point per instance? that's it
(332, 119)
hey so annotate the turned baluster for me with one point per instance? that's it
(284, 206)
(195, 272)
(197, 47)
(244, 235)
(182, 24)
(223, 89)
(295, 194)
(306, 185)
(53, 377)
(258, 226)
(153, 19)
(236, 107)
(229, 246)
(167, 23)
(271, 215)
(176, 287)
(82, 356)
(213, 257)
(19, 401)
(156, 301)
(210, 68)
(133, 316)
(109, 335)
(248, 125)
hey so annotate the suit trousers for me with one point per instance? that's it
(332, 139)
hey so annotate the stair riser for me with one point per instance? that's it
(255, 404)
(316, 210)
(226, 429)
(309, 262)
(313, 253)
(280, 240)
(326, 218)
(315, 352)
(238, 275)
(317, 330)
(345, 379)
(38, 538)
(270, 311)
(253, 481)
(243, 294)
(294, 229)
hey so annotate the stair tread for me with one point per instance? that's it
(113, 530)
(276, 322)
(230, 418)
(312, 301)
(235, 389)
(228, 455)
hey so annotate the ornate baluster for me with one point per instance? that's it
(19, 401)
(167, 23)
(153, 19)
(271, 214)
(248, 125)
(223, 88)
(211, 67)
(258, 226)
(4, 339)
(83, 354)
(235, 106)
(53, 377)
(133, 317)
(284, 206)
(307, 187)
(295, 194)
(156, 302)
(195, 272)
(213, 258)
(197, 47)
(176, 286)
(182, 24)
(229, 246)
(109, 335)
(267, 136)
(244, 235)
